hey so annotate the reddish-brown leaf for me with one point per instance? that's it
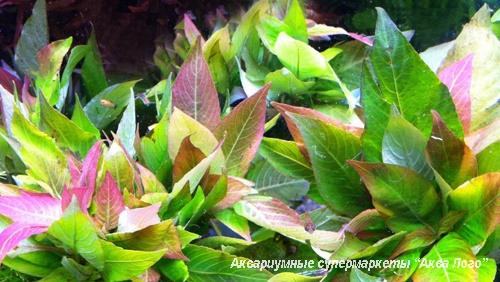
(109, 203)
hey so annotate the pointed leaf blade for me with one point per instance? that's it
(245, 128)
(35, 209)
(109, 203)
(194, 92)
(15, 233)
(126, 127)
(131, 220)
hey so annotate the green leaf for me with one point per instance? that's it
(155, 149)
(75, 231)
(38, 264)
(189, 209)
(404, 145)
(272, 214)
(379, 245)
(289, 276)
(93, 77)
(34, 36)
(285, 81)
(244, 127)
(49, 60)
(247, 25)
(65, 132)
(235, 222)
(286, 157)
(270, 182)
(446, 251)
(405, 199)
(487, 160)
(40, 153)
(449, 156)
(488, 269)
(175, 270)
(449, 220)
(59, 274)
(404, 80)
(82, 121)
(477, 37)
(150, 238)
(350, 246)
(207, 264)
(100, 112)
(329, 148)
(349, 63)
(78, 271)
(418, 238)
(301, 59)
(77, 54)
(359, 276)
(115, 161)
(216, 52)
(194, 92)
(127, 126)
(124, 264)
(481, 198)
(296, 21)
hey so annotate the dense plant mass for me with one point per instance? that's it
(398, 149)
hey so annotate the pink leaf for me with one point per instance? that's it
(83, 196)
(245, 128)
(10, 82)
(361, 38)
(89, 168)
(15, 233)
(191, 31)
(32, 209)
(237, 188)
(109, 202)
(457, 78)
(131, 220)
(194, 91)
(74, 168)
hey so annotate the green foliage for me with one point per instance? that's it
(406, 171)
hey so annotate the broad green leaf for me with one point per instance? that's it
(270, 182)
(34, 36)
(448, 155)
(285, 81)
(404, 80)
(478, 38)
(447, 223)
(40, 153)
(75, 231)
(269, 28)
(106, 106)
(329, 148)
(404, 145)
(109, 203)
(155, 149)
(358, 275)
(219, 242)
(405, 199)
(371, 250)
(208, 264)
(418, 238)
(247, 25)
(274, 215)
(65, 132)
(78, 271)
(49, 60)
(444, 253)
(296, 21)
(286, 157)
(93, 76)
(127, 126)
(124, 264)
(194, 92)
(217, 53)
(82, 121)
(59, 274)
(301, 59)
(235, 222)
(488, 269)
(348, 64)
(150, 238)
(189, 209)
(290, 276)
(350, 246)
(115, 161)
(150, 183)
(175, 270)
(480, 197)
(458, 79)
(487, 160)
(181, 126)
(37, 264)
(244, 127)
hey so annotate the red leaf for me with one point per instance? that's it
(194, 91)
(237, 188)
(15, 233)
(187, 158)
(83, 196)
(9, 82)
(191, 31)
(245, 128)
(458, 78)
(89, 167)
(109, 202)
